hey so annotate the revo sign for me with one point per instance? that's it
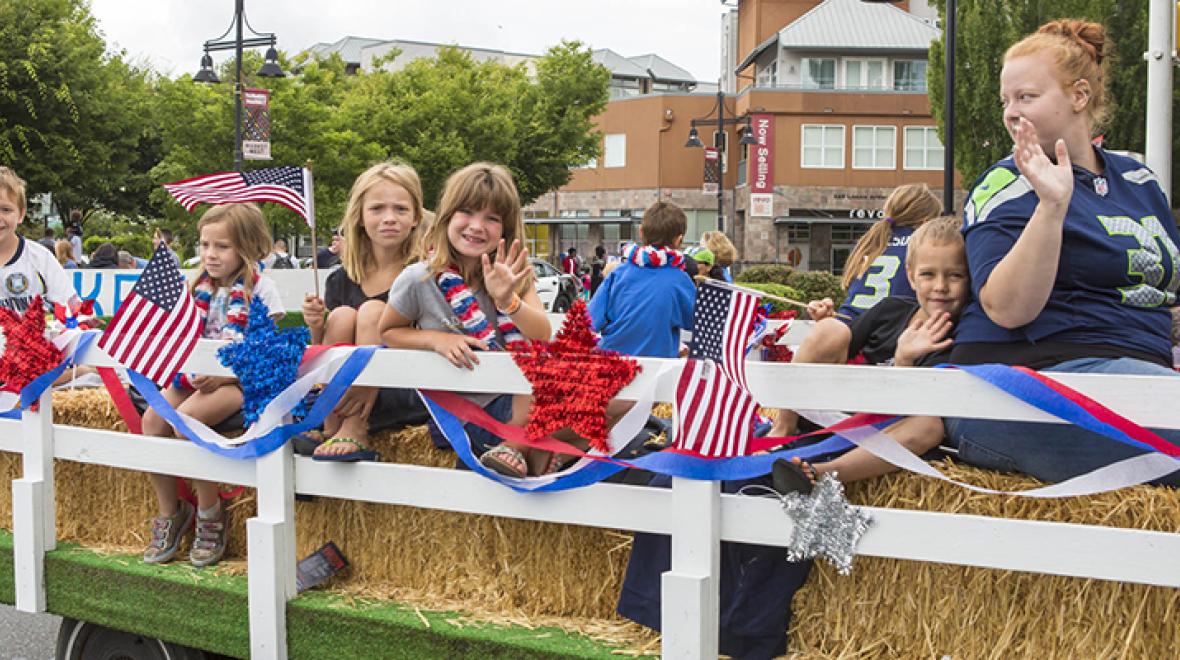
(762, 157)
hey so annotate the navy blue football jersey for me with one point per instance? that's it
(1119, 268)
(885, 277)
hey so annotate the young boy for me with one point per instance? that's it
(641, 307)
(27, 269)
(909, 332)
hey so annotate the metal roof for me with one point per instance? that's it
(618, 65)
(852, 25)
(349, 48)
(661, 69)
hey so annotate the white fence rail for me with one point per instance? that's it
(696, 515)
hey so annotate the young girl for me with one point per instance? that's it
(473, 293)
(233, 239)
(873, 272)
(380, 233)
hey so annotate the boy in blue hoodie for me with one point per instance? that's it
(642, 306)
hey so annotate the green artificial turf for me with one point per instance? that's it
(200, 608)
(7, 587)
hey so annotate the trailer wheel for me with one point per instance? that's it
(82, 640)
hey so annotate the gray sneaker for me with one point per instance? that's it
(167, 533)
(209, 544)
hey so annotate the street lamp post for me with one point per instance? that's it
(269, 69)
(694, 140)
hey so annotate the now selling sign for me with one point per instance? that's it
(761, 175)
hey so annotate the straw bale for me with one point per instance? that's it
(538, 573)
(893, 608)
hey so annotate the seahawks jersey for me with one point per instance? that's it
(884, 277)
(1119, 267)
(33, 271)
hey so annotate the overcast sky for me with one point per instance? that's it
(169, 33)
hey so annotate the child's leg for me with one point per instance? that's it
(211, 408)
(917, 434)
(827, 343)
(340, 328)
(354, 424)
(154, 425)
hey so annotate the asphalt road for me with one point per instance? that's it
(27, 636)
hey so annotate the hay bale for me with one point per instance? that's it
(548, 574)
(900, 608)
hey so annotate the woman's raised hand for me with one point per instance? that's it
(1053, 182)
(502, 277)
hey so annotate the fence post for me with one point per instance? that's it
(271, 533)
(33, 515)
(689, 592)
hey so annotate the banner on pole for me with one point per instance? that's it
(256, 124)
(712, 172)
(761, 175)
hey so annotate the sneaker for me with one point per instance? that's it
(209, 544)
(167, 533)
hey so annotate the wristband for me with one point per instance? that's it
(514, 306)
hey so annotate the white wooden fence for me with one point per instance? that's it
(696, 515)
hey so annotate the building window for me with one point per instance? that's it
(621, 88)
(823, 146)
(612, 213)
(798, 232)
(588, 165)
(874, 147)
(819, 72)
(909, 75)
(768, 75)
(923, 149)
(615, 150)
(844, 239)
(574, 213)
(863, 73)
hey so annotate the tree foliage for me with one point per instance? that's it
(71, 114)
(985, 30)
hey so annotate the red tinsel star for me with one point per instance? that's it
(572, 379)
(26, 353)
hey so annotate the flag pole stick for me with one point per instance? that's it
(315, 266)
(755, 292)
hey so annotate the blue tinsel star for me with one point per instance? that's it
(264, 360)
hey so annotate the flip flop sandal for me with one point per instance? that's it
(362, 452)
(791, 477)
(505, 460)
(557, 463)
(305, 443)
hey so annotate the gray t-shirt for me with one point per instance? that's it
(416, 296)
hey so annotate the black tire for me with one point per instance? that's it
(561, 304)
(82, 640)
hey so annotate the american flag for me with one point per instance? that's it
(289, 186)
(714, 409)
(158, 324)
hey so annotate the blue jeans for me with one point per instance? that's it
(1054, 452)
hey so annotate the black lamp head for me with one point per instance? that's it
(206, 74)
(270, 67)
(694, 139)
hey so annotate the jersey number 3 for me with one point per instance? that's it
(1145, 264)
(879, 279)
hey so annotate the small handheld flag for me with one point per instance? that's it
(158, 324)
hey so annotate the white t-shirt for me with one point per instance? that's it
(215, 320)
(76, 248)
(33, 271)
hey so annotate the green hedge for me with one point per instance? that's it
(137, 245)
(767, 273)
(780, 290)
(817, 285)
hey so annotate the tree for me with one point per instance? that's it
(441, 114)
(986, 28)
(71, 114)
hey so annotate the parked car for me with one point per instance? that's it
(557, 291)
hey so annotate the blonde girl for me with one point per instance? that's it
(474, 292)
(233, 239)
(381, 232)
(874, 271)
